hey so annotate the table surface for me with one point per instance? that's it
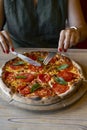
(73, 117)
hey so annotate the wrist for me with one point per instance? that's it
(77, 29)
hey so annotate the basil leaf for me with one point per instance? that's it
(21, 77)
(41, 59)
(18, 63)
(35, 87)
(60, 80)
(62, 67)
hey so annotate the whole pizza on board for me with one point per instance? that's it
(44, 84)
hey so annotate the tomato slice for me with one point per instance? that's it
(19, 88)
(26, 77)
(59, 89)
(30, 77)
(44, 77)
(66, 75)
(24, 90)
(8, 76)
(14, 67)
(44, 92)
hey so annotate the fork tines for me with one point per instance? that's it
(49, 57)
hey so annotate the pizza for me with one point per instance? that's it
(44, 84)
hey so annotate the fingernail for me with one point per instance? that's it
(7, 51)
(12, 49)
(60, 49)
(65, 50)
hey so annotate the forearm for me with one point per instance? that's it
(75, 17)
(2, 16)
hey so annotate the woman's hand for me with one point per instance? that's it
(6, 42)
(68, 38)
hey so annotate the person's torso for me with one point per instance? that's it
(29, 24)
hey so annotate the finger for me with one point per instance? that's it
(72, 40)
(67, 39)
(2, 47)
(61, 40)
(3, 43)
(9, 41)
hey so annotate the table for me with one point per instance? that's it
(73, 117)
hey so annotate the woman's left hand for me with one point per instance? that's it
(68, 38)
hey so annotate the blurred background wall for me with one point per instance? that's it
(83, 44)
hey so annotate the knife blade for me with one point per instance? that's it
(25, 58)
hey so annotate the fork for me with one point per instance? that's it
(49, 57)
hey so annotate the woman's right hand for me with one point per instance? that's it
(6, 42)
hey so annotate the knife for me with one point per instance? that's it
(25, 58)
